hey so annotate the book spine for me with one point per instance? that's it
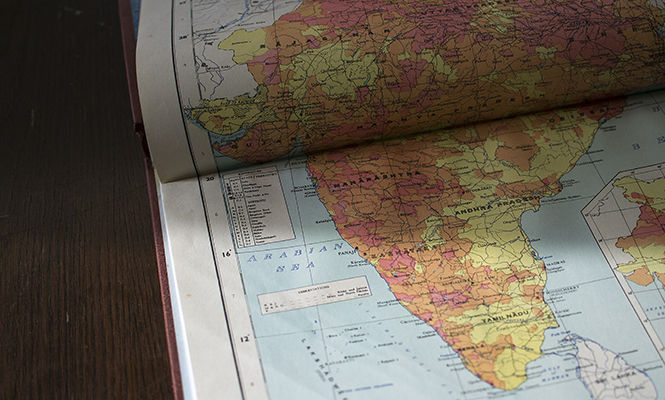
(129, 48)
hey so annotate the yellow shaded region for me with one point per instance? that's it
(337, 73)
(653, 190)
(498, 240)
(432, 235)
(525, 80)
(523, 322)
(506, 318)
(315, 30)
(385, 48)
(419, 268)
(510, 366)
(226, 117)
(404, 56)
(245, 45)
(651, 256)
(607, 76)
(439, 65)
(559, 146)
(546, 52)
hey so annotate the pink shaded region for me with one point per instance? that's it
(361, 94)
(426, 316)
(583, 30)
(270, 64)
(340, 217)
(363, 230)
(398, 268)
(655, 223)
(437, 24)
(410, 75)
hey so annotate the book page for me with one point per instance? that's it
(463, 263)
(520, 258)
(239, 83)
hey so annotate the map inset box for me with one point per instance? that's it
(627, 219)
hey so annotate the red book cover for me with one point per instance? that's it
(127, 28)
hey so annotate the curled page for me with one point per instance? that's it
(250, 82)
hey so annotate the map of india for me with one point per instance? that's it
(438, 216)
(329, 73)
(646, 244)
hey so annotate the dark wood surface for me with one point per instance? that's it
(81, 310)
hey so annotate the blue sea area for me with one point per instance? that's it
(364, 348)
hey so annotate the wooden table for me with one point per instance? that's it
(81, 311)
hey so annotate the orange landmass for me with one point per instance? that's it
(641, 276)
(438, 215)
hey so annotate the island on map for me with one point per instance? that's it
(607, 376)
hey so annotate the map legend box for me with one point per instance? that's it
(257, 207)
